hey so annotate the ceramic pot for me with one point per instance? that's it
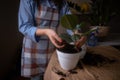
(68, 61)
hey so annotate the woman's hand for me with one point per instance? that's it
(52, 35)
(81, 41)
(54, 38)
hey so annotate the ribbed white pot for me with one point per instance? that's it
(69, 61)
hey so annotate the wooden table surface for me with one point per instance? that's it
(99, 63)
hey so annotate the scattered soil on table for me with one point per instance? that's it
(95, 60)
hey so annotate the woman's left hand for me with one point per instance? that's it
(81, 41)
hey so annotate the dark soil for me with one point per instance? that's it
(96, 60)
(68, 48)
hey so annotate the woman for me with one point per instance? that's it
(38, 22)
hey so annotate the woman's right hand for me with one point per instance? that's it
(54, 38)
(52, 35)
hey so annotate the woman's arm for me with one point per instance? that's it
(26, 19)
(54, 38)
(26, 24)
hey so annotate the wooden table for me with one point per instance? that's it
(100, 63)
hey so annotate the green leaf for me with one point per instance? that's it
(88, 32)
(69, 21)
(75, 37)
(82, 24)
(66, 37)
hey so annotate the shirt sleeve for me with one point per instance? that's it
(26, 19)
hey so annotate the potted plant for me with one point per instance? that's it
(98, 12)
(70, 54)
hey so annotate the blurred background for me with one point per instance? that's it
(11, 39)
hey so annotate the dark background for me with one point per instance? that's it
(11, 39)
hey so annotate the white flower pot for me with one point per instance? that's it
(68, 61)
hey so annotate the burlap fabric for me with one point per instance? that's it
(100, 63)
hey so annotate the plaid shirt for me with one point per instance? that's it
(36, 51)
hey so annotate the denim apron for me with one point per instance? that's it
(35, 56)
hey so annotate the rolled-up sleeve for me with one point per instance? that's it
(26, 19)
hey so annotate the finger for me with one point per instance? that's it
(57, 45)
(81, 41)
(55, 42)
(57, 38)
